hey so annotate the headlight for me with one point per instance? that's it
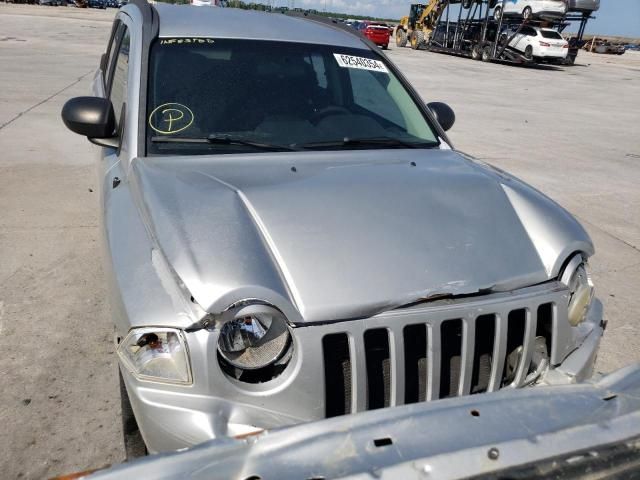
(255, 338)
(576, 277)
(156, 354)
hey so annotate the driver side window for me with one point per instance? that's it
(119, 76)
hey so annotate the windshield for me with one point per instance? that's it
(551, 34)
(235, 96)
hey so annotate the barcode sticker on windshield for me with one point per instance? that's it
(361, 63)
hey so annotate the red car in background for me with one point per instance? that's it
(377, 32)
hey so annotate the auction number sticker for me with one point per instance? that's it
(361, 63)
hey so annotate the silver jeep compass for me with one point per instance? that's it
(290, 235)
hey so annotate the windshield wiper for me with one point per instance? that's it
(376, 141)
(216, 139)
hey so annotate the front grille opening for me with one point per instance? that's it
(415, 363)
(451, 341)
(515, 340)
(337, 374)
(483, 353)
(544, 328)
(376, 347)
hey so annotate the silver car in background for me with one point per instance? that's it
(586, 6)
(290, 235)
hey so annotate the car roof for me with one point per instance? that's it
(190, 21)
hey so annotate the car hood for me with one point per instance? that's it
(337, 235)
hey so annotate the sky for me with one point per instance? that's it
(615, 17)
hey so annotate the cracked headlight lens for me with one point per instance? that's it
(156, 354)
(577, 278)
(256, 337)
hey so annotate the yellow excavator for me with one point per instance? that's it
(417, 27)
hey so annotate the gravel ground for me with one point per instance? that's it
(574, 133)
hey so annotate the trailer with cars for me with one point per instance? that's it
(513, 31)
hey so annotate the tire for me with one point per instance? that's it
(486, 53)
(528, 52)
(384, 47)
(417, 39)
(476, 52)
(527, 13)
(497, 13)
(401, 37)
(134, 446)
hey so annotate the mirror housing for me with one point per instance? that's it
(443, 113)
(92, 117)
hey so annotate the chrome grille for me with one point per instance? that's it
(440, 350)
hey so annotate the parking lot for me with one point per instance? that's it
(573, 133)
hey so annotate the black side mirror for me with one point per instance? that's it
(443, 113)
(92, 117)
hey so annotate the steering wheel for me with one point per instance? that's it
(327, 112)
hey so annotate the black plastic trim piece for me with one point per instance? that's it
(150, 29)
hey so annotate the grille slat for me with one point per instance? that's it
(468, 355)
(477, 350)
(433, 363)
(359, 374)
(529, 341)
(398, 374)
(499, 351)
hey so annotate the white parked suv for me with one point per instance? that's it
(530, 8)
(539, 43)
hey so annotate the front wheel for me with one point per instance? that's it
(527, 13)
(417, 39)
(134, 446)
(401, 37)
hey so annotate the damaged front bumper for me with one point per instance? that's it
(560, 431)
(215, 406)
